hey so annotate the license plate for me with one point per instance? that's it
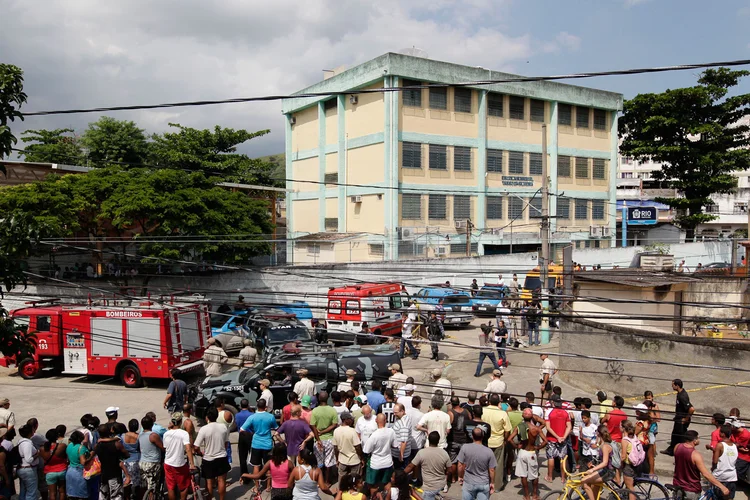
(482, 308)
(455, 320)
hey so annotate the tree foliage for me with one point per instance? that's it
(53, 146)
(699, 134)
(109, 141)
(12, 97)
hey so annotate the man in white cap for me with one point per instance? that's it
(406, 400)
(496, 384)
(7, 417)
(305, 386)
(442, 384)
(111, 413)
(214, 358)
(347, 384)
(397, 379)
(266, 394)
(248, 354)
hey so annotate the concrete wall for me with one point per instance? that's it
(693, 253)
(717, 289)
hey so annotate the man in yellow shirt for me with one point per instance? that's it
(605, 404)
(500, 430)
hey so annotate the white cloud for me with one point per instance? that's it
(89, 53)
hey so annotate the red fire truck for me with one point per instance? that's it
(377, 304)
(130, 343)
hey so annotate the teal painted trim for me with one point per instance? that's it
(321, 167)
(290, 196)
(332, 148)
(552, 164)
(442, 140)
(389, 194)
(481, 207)
(365, 140)
(394, 163)
(588, 153)
(613, 159)
(515, 146)
(342, 166)
(303, 155)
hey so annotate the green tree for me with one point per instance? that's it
(698, 134)
(12, 98)
(53, 146)
(110, 141)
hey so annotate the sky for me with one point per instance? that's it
(89, 53)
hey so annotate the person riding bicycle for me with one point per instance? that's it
(605, 471)
(689, 466)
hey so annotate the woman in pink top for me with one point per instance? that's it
(279, 468)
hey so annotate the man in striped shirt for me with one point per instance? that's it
(402, 427)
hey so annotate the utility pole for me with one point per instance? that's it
(544, 268)
(468, 237)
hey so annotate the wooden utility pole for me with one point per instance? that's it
(468, 237)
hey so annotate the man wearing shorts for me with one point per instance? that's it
(530, 440)
(214, 438)
(178, 458)
(559, 428)
(380, 465)
(151, 447)
(323, 420)
(260, 424)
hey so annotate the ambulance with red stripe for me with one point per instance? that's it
(377, 304)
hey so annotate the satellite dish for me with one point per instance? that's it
(415, 52)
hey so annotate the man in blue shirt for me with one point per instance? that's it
(244, 441)
(260, 423)
(374, 397)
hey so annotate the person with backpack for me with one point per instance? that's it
(632, 455)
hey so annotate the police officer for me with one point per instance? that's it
(435, 333)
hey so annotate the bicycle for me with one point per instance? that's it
(158, 489)
(573, 489)
(711, 493)
(195, 484)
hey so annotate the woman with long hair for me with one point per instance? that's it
(306, 478)
(76, 487)
(280, 468)
(604, 471)
(400, 487)
(55, 464)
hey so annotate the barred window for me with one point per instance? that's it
(410, 248)
(537, 110)
(411, 206)
(461, 207)
(582, 209)
(515, 208)
(597, 209)
(599, 170)
(439, 98)
(411, 155)
(332, 178)
(412, 97)
(461, 158)
(495, 161)
(460, 248)
(377, 248)
(563, 208)
(535, 208)
(582, 117)
(582, 168)
(516, 106)
(565, 114)
(438, 157)
(600, 119)
(494, 207)
(436, 209)
(515, 162)
(563, 166)
(332, 224)
(535, 163)
(462, 100)
(495, 104)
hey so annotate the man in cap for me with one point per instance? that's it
(442, 384)
(176, 392)
(496, 384)
(305, 403)
(240, 304)
(178, 458)
(7, 417)
(405, 400)
(546, 373)
(214, 358)
(347, 447)
(265, 393)
(111, 413)
(305, 386)
(248, 354)
(347, 384)
(397, 379)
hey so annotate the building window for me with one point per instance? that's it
(565, 114)
(582, 209)
(438, 157)
(411, 206)
(597, 209)
(461, 207)
(411, 155)
(412, 97)
(495, 161)
(535, 208)
(438, 98)
(599, 170)
(537, 110)
(462, 100)
(495, 104)
(515, 208)
(627, 160)
(712, 208)
(460, 248)
(313, 248)
(535, 163)
(461, 159)
(626, 175)
(515, 162)
(436, 209)
(582, 117)
(516, 106)
(377, 248)
(563, 166)
(332, 224)
(494, 207)
(332, 178)
(740, 208)
(600, 119)
(582, 168)
(563, 208)
(330, 104)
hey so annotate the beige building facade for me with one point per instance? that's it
(408, 170)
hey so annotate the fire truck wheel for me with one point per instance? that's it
(28, 369)
(130, 376)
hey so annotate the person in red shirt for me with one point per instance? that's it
(613, 420)
(741, 437)
(717, 420)
(286, 412)
(559, 428)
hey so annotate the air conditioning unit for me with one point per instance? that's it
(292, 120)
(595, 231)
(356, 199)
(353, 99)
(406, 233)
(441, 251)
(460, 224)
(606, 232)
(497, 232)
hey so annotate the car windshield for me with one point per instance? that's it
(456, 300)
(282, 335)
(218, 320)
(490, 294)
